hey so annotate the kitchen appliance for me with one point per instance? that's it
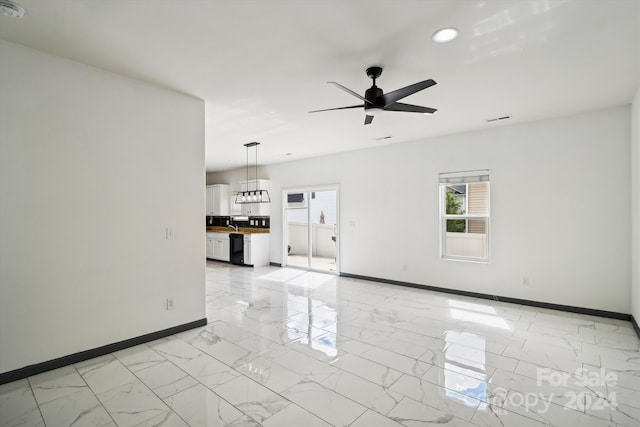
(236, 248)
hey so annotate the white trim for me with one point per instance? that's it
(285, 238)
(462, 178)
(465, 177)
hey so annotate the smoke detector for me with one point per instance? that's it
(10, 9)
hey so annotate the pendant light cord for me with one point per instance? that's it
(247, 193)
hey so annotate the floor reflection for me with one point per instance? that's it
(311, 320)
(286, 347)
(477, 313)
(464, 366)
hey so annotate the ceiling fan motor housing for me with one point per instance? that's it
(373, 95)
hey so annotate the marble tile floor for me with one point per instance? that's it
(285, 347)
(317, 263)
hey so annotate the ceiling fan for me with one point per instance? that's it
(376, 101)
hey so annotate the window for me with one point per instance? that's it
(464, 215)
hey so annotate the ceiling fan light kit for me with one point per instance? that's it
(376, 101)
(256, 195)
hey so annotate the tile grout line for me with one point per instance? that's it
(171, 411)
(218, 395)
(36, 401)
(95, 395)
(532, 340)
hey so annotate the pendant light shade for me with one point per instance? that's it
(255, 195)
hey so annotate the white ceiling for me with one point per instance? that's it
(260, 65)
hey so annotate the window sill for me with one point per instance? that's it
(471, 260)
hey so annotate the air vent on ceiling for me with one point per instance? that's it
(384, 137)
(498, 119)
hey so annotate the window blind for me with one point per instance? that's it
(465, 177)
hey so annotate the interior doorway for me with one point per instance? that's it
(311, 229)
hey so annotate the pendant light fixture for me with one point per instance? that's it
(255, 195)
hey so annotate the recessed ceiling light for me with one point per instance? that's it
(10, 9)
(445, 35)
(288, 154)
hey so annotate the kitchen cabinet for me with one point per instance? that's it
(256, 249)
(217, 200)
(255, 209)
(235, 209)
(209, 247)
(218, 246)
(247, 250)
(221, 249)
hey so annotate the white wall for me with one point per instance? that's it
(559, 198)
(93, 168)
(635, 208)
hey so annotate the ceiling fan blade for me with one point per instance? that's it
(346, 89)
(409, 108)
(368, 119)
(398, 94)
(339, 108)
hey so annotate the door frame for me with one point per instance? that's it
(285, 228)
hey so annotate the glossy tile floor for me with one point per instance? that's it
(286, 347)
(317, 263)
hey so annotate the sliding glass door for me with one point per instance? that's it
(311, 231)
(297, 232)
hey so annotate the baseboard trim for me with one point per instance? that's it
(635, 326)
(539, 304)
(49, 365)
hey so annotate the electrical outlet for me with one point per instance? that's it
(525, 281)
(170, 303)
(170, 234)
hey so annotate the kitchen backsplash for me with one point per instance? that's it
(249, 222)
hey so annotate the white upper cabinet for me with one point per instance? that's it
(217, 200)
(255, 209)
(235, 209)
